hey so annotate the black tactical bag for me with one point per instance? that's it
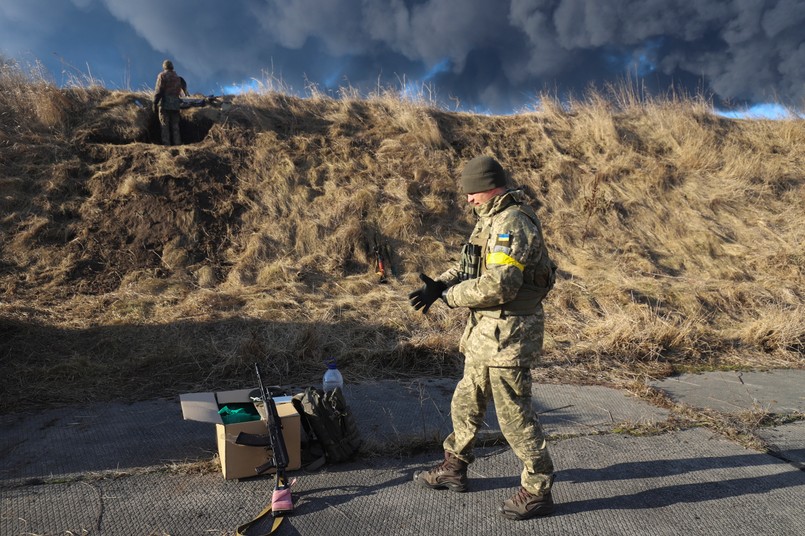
(329, 425)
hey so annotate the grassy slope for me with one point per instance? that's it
(679, 237)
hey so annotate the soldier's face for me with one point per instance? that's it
(479, 198)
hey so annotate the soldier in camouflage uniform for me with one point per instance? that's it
(167, 102)
(504, 274)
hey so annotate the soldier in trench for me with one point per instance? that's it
(167, 103)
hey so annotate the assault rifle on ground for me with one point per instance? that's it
(383, 266)
(380, 266)
(190, 102)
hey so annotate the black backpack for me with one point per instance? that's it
(329, 425)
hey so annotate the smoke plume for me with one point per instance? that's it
(489, 55)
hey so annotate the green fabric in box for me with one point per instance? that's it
(238, 412)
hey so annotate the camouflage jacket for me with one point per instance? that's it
(505, 326)
(169, 85)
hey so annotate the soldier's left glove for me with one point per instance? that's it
(424, 297)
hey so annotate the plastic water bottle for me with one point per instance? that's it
(332, 377)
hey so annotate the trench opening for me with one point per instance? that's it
(191, 129)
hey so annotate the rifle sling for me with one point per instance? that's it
(260, 525)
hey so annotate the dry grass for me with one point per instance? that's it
(679, 236)
(741, 427)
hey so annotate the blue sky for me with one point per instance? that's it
(493, 56)
(762, 111)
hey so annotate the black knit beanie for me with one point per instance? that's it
(481, 174)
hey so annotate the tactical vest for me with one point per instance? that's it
(171, 91)
(538, 279)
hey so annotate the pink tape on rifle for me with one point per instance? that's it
(281, 500)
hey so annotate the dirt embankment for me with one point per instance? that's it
(679, 237)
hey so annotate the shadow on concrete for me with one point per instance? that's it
(662, 496)
(664, 468)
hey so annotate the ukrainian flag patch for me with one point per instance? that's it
(502, 244)
(504, 240)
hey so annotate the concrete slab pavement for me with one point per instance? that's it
(776, 391)
(787, 441)
(71, 441)
(110, 469)
(418, 411)
(689, 482)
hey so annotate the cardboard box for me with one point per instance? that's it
(239, 461)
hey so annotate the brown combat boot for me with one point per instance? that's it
(450, 474)
(524, 505)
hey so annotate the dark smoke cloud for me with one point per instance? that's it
(747, 50)
(494, 55)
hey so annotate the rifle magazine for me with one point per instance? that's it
(253, 440)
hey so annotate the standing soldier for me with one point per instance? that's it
(503, 276)
(167, 103)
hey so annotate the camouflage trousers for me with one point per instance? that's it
(169, 120)
(510, 388)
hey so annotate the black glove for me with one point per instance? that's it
(425, 296)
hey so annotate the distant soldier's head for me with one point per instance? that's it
(167, 65)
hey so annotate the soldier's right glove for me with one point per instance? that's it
(424, 297)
